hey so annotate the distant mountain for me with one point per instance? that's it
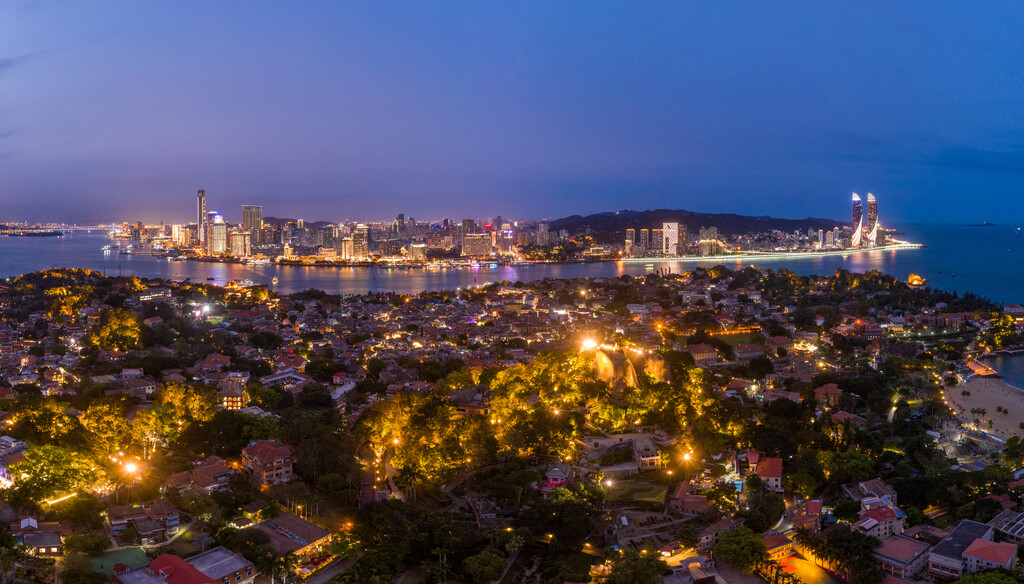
(728, 223)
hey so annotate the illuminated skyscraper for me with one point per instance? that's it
(645, 239)
(217, 237)
(361, 242)
(857, 222)
(670, 241)
(871, 229)
(201, 222)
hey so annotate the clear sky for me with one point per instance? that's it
(363, 110)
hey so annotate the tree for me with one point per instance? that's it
(119, 329)
(741, 548)
(636, 567)
(49, 471)
(486, 566)
(688, 536)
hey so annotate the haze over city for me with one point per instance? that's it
(361, 111)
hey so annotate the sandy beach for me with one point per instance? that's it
(989, 393)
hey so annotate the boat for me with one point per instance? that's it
(246, 284)
(649, 267)
(209, 279)
(274, 280)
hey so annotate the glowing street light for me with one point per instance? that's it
(131, 468)
(589, 344)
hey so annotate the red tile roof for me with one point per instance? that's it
(178, 571)
(769, 468)
(992, 551)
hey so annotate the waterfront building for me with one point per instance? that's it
(217, 241)
(857, 221)
(475, 245)
(418, 252)
(241, 243)
(630, 241)
(201, 219)
(345, 248)
(645, 239)
(657, 239)
(361, 242)
(670, 240)
(871, 229)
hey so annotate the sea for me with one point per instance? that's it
(985, 260)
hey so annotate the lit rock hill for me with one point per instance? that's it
(728, 223)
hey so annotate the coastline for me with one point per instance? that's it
(1002, 402)
(474, 263)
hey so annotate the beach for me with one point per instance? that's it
(989, 394)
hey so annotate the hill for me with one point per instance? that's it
(727, 223)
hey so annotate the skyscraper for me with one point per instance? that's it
(645, 239)
(670, 243)
(361, 242)
(857, 222)
(252, 218)
(542, 234)
(657, 239)
(217, 237)
(201, 221)
(871, 229)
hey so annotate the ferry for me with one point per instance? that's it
(649, 267)
(258, 261)
(274, 280)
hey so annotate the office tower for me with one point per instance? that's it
(345, 248)
(657, 239)
(300, 224)
(476, 245)
(542, 234)
(857, 222)
(670, 241)
(361, 242)
(871, 229)
(241, 243)
(645, 241)
(217, 241)
(252, 218)
(468, 226)
(201, 221)
(400, 222)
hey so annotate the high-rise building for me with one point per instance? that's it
(670, 239)
(201, 221)
(645, 239)
(631, 236)
(345, 248)
(361, 242)
(252, 218)
(542, 234)
(476, 245)
(217, 241)
(241, 243)
(657, 239)
(857, 222)
(418, 252)
(871, 229)
(400, 222)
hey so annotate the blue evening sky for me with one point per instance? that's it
(362, 110)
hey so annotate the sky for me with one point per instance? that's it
(362, 110)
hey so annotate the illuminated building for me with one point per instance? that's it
(645, 239)
(857, 222)
(475, 245)
(871, 229)
(361, 242)
(241, 243)
(670, 239)
(201, 220)
(217, 241)
(252, 219)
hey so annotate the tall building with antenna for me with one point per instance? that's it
(201, 220)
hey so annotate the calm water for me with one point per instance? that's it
(985, 260)
(1011, 367)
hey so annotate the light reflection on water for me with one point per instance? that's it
(987, 261)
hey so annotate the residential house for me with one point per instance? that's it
(291, 534)
(770, 471)
(268, 462)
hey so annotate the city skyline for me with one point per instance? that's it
(345, 110)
